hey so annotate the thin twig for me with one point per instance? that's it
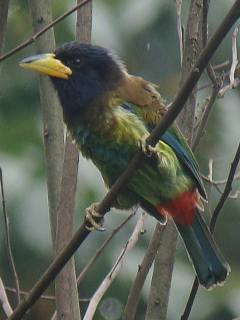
(143, 269)
(4, 300)
(220, 66)
(179, 27)
(234, 56)
(227, 189)
(42, 31)
(90, 264)
(233, 82)
(115, 269)
(216, 82)
(44, 296)
(220, 182)
(214, 218)
(138, 159)
(8, 240)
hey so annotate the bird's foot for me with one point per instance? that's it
(147, 149)
(94, 219)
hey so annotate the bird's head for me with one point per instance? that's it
(81, 73)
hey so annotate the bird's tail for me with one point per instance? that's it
(210, 266)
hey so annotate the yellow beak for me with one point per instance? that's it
(47, 64)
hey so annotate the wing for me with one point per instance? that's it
(174, 138)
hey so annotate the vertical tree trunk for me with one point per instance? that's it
(66, 284)
(162, 275)
(51, 112)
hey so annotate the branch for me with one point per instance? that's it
(4, 300)
(159, 294)
(51, 113)
(42, 31)
(179, 27)
(67, 305)
(44, 296)
(143, 269)
(138, 159)
(214, 218)
(216, 81)
(90, 264)
(3, 22)
(115, 269)
(8, 241)
(220, 182)
(160, 290)
(233, 82)
(227, 190)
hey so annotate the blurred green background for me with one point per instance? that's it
(143, 33)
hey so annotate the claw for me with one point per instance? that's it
(94, 218)
(148, 150)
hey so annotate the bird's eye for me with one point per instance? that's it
(77, 61)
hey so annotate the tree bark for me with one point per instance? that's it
(162, 275)
(51, 112)
(66, 284)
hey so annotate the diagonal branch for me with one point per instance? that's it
(42, 31)
(138, 159)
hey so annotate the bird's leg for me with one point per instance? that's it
(94, 219)
(148, 150)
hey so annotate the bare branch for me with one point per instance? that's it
(51, 113)
(8, 240)
(90, 264)
(3, 22)
(115, 269)
(234, 56)
(44, 296)
(138, 159)
(233, 82)
(227, 189)
(67, 305)
(220, 66)
(179, 27)
(216, 82)
(4, 300)
(158, 300)
(143, 269)
(220, 182)
(42, 31)
(213, 222)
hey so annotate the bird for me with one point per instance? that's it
(109, 113)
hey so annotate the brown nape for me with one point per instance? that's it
(140, 92)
